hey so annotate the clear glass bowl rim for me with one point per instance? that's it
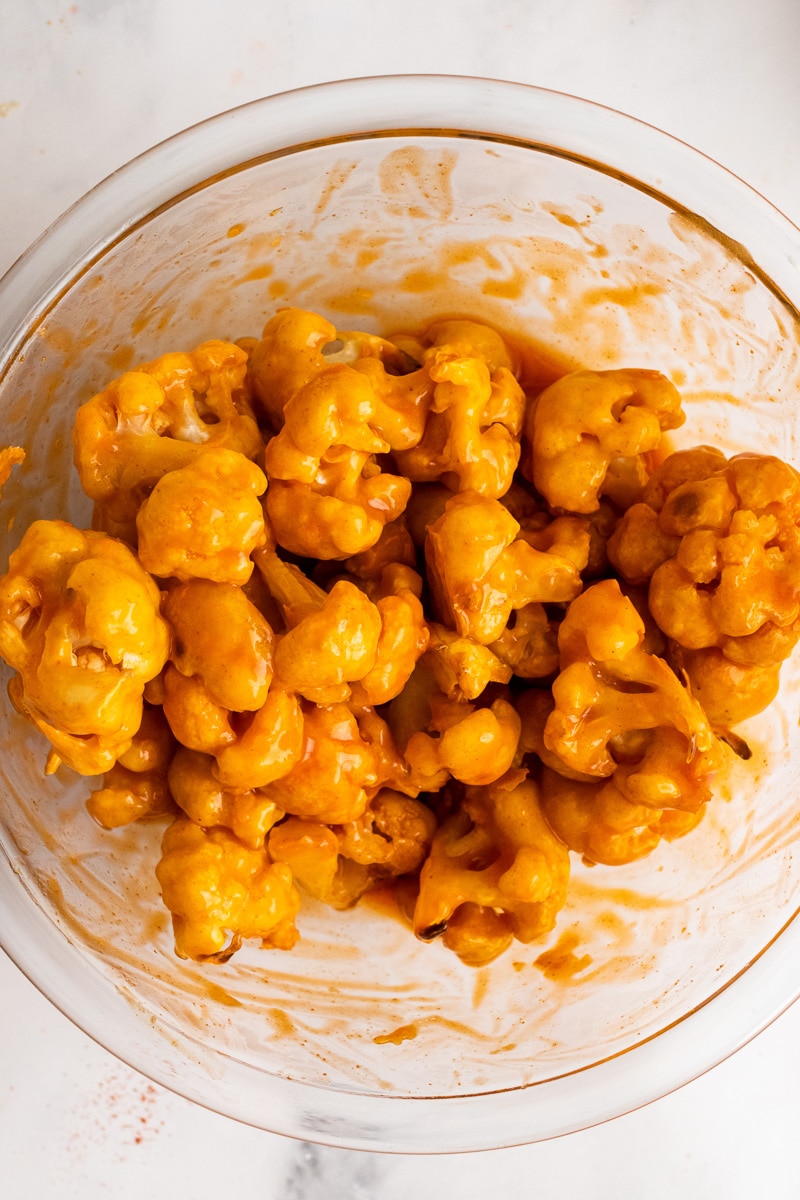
(282, 124)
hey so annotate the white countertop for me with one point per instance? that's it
(84, 86)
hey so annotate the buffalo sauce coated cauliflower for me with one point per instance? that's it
(442, 737)
(339, 645)
(252, 747)
(599, 822)
(480, 570)
(156, 419)
(719, 544)
(336, 767)
(312, 851)
(497, 866)
(329, 497)
(128, 796)
(588, 421)
(297, 346)
(249, 813)
(265, 745)
(332, 637)
(136, 787)
(386, 575)
(80, 624)
(620, 714)
(392, 836)
(462, 667)
(403, 638)
(218, 693)
(486, 630)
(220, 892)
(471, 439)
(204, 520)
(337, 864)
(221, 637)
(473, 744)
(287, 357)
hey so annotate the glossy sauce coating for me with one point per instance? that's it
(363, 613)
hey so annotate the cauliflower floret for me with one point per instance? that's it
(128, 796)
(339, 643)
(312, 851)
(475, 745)
(442, 737)
(220, 636)
(249, 813)
(329, 497)
(728, 585)
(334, 772)
(621, 712)
(251, 748)
(337, 865)
(393, 771)
(159, 418)
(585, 422)
(496, 854)
(386, 574)
(80, 623)
(729, 692)
(287, 357)
(597, 821)
(608, 685)
(682, 466)
(402, 388)
(203, 521)
(220, 892)
(403, 638)
(719, 543)
(340, 510)
(471, 440)
(266, 744)
(388, 567)
(529, 645)
(477, 935)
(195, 718)
(463, 668)
(297, 346)
(638, 546)
(153, 745)
(332, 639)
(136, 787)
(480, 570)
(393, 835)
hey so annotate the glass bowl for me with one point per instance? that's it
(383, 202)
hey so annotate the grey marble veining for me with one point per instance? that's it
(322, 1172)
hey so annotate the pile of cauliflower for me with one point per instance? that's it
(356, 612)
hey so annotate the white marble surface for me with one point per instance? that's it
(83, 87)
